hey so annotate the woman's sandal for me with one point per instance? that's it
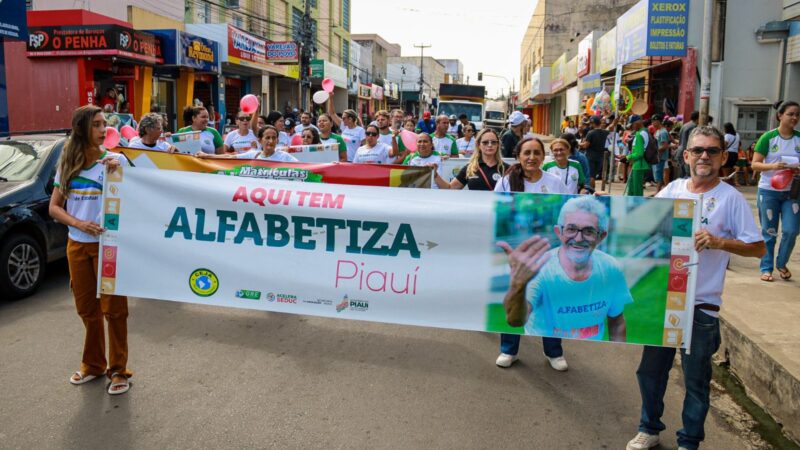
(119, 387)
(785, 274)
(81, 378)
(766, 276)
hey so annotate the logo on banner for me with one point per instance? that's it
(352, 305)
(281, 298)
(38, 39)
(271, 296)
(248, 295)
(203, 282)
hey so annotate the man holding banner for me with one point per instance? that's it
(727, 226)
(570, 291)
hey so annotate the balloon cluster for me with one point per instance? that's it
(322, 96)
(600, 105)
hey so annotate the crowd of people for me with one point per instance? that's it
(683, 159)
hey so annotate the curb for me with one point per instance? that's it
(767, 383)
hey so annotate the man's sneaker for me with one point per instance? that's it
(642, 441)
(558, 363)
(506, 360)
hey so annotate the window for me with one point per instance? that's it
(237, 21)
(345, 53)
(346, 14)
(297, 25)
(751, 122)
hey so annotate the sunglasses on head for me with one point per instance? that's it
(698, 151)
(371, 133)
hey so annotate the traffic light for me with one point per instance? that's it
(480, 76)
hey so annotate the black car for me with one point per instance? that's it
(29, 237)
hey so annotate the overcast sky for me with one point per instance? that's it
(484, 35)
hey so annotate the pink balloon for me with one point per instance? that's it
(248, 104)
(128, 132)
(409, 140)
(327, 85)
(781, 179)
(112, 138)
(297, 139)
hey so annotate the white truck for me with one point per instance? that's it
(495, 116)
(458, 99)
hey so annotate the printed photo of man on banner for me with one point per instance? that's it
(591, 268)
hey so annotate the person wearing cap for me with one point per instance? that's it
(426, 125)
(452, 130)
(513, 134)
(635, 184)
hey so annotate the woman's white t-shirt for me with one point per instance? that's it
(547, 184)
(161, 146)
(419, 161)
(466, 147)
(774, 148)
(85, 196)
(240, 143)
(373, 155)
(732, 143)
(353, 137)
(279, 156)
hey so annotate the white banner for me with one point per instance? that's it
(393, 255)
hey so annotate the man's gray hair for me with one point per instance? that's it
(707, 131)
(585, 203)
(148, 121)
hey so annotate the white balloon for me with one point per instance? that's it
(320, 97)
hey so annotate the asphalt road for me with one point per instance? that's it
(208, 377)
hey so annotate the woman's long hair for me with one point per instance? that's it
(72, 157)
(516, 176)
(475, 159)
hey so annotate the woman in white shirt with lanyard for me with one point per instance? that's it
(466, 144)
(150, 129)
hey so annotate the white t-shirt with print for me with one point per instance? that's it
(547, 184)
(466, 147)
(375, 155)
(353, 137)
(240, 143)
(279, 156)
(84, 197)
(386, 139)
(726, 214)
(774, 147)
(300, 127)
(161, 146)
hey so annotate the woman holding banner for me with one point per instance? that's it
(150, 130)
(373, 152)
(77, 202)
(425, 156)
(197, 117)
(485, 165)
(268, 136)
(527, 176)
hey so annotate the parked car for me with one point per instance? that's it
(29, 237)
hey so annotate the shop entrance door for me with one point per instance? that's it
(163, 101)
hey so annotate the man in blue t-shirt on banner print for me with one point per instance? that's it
(569, 291)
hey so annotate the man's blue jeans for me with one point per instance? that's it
(653, 376)
(776, 207)
(509, 344)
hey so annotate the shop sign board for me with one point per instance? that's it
(557, 75)
(13, 20)
(585, 55)
(321, 68)
(605, 60)
(590, 84)
(282, 52)
(653, 28)
(90, 40)
(188, 50)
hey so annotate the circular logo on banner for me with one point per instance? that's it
(203, 282)
(270, 296)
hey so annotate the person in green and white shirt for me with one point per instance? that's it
(324, 123)
(444, 144)
(425, 156)
(778, 150)
(211, 141)
(567, 170)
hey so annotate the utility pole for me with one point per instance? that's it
(705, 65)
(307, 53)
(421, 48)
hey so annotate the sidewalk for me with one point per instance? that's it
(761, 331)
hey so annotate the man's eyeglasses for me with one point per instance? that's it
(371, 133)
(490, 142)
(589, 233)
(243, 118)
(698, 151)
